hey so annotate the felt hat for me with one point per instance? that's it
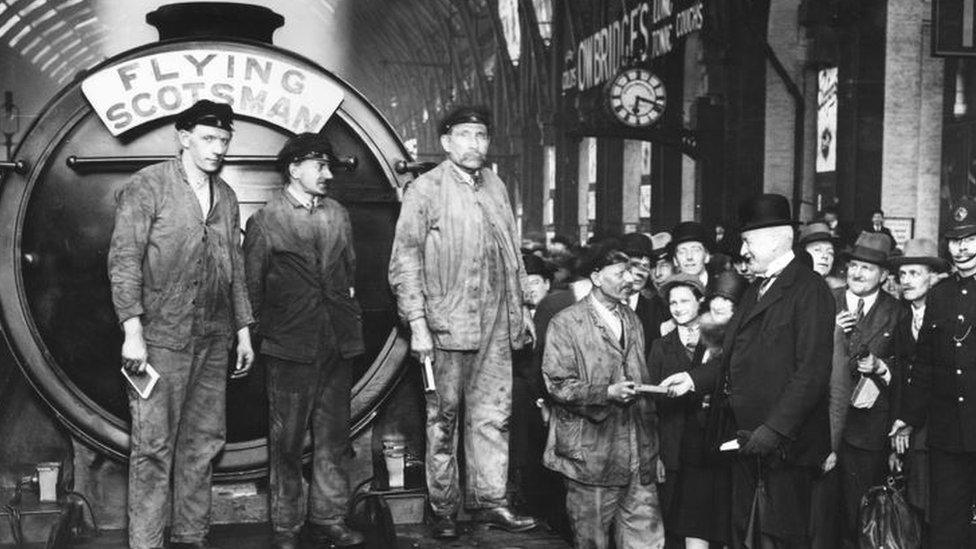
(681, 279)
(637, 245)
(963, 222)
(691, 231)
(816, 231)
(535, 265)
(872, 248)
(767, 210)
(206, 113)
(921, 251)
(466, 114)
(727, 284)
(602, 254)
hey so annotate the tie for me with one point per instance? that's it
(859, 312)
(766, 283)
(477, 178)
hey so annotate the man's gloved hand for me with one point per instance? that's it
(762, 441)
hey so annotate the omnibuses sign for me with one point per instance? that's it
(133, 92)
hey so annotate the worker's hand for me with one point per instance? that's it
(134, 353)
(245, 354)
(868, 364)
(830, 462)
(421, 342)
(845, 321)
(678, 384)
(623, 391)
(901, 434)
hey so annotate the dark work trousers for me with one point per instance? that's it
(179, 428)
(300, 396)
(953, 476)
(826, 523)
(860, 470)
(633, 511)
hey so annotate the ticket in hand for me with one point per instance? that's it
(651, 389)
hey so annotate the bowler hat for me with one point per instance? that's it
(872, 248)
(681, 279)
(206, 113)
(816, 231)
(535, 265)
(727, 284)
(466, 114)
(767, 210)
(691, 231)
(921, 251)
(963, 222)
(637, 245)
(306, 146)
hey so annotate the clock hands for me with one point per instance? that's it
(637, 101)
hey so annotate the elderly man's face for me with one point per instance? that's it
(615, 281)
(537, 287)
(691, 257)
(915, 280)
(663, 268)
(761, 246)
(467, 145)
(864, 278)
(823, 256)
(206, 146)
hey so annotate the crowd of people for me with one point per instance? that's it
(690, 388)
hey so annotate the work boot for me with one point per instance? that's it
(337, 534)
(505, 518)
(443, 527)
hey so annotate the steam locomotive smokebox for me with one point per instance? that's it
(55, 299)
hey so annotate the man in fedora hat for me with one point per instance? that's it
(650, 310)
(177, 275)
(942, 389)
(864, 365)
(773, 374)
(459, 280)
(919, 268)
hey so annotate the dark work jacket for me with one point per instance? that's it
(301, 269)
(589, 435)
(678, 418)
(943, 387)
(864, 428)
(776, 362)
(651, 312)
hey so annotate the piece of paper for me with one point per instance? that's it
(651, 389)
(729, 445)
(142, 383)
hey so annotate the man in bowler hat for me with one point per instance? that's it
(301, 268)
(774, 374)
(461, 287)
(692, 249)
(177, 275)
(942, 391)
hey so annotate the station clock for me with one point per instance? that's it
(637, 97)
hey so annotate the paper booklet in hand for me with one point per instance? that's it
(142, 383)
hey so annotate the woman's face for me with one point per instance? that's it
(823, 256)
(721, 308)
(684, 305)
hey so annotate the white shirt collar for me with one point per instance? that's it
(632, 301)
(303, 198)
(613, 321)
(869, 301)
(689, 334)
(778, 264)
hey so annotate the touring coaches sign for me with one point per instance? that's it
(275, 89)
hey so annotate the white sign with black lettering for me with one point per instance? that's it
(135, 91)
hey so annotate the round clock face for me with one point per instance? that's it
(637, 97)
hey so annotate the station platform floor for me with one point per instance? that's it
(256, 536)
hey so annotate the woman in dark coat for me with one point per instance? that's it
(696, 492)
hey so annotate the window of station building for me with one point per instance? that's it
(826, 143)
(644, 213)
(549, 186)
(586, 190)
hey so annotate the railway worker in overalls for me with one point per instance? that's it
(177, 275)
(460, 285)
(301, 269)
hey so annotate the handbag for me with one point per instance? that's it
(886, 520)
